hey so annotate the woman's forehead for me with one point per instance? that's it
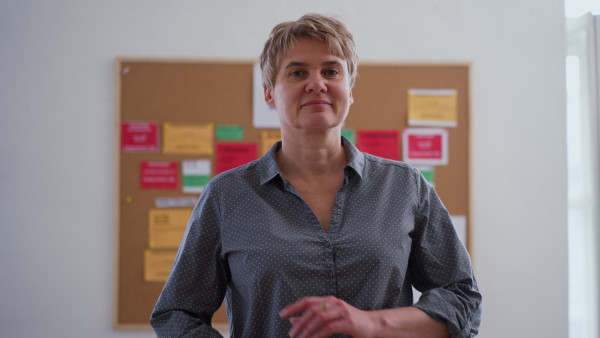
(309, 50)
(307, 43)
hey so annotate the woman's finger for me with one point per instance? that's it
(297, 307)
(314, 318)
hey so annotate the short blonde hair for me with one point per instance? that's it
(318, 26)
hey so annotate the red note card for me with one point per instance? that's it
(139, 136)
(382, 143)
(159, 175)
(231, 155)
(425, 146)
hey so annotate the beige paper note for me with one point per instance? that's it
(166, 227)
(196, 139)
(268, 139)
(432, 107)
(157, 264)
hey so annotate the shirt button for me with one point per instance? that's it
(330, 274)
(327, 244)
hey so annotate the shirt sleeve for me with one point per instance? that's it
(440, 267)
(198, 281)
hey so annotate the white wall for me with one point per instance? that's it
(57, 140)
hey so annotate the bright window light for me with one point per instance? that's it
(577, 8)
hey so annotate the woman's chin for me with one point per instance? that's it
(319, 124)
(319, 128)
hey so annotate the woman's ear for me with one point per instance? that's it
(269, 99)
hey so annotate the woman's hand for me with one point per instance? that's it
(325, 316)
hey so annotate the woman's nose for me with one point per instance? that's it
(316, 83)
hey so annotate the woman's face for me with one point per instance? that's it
(312, 88)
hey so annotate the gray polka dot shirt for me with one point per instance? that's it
(253, 240)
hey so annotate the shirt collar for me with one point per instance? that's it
(356, 159)
(268, 164)
(269, 167)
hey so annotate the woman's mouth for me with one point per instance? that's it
(316, 104)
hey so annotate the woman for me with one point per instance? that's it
(317, 238)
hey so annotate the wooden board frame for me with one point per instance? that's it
(374, 85)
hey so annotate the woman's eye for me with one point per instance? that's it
(331, 72)
(296, 73)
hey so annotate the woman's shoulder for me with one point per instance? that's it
(246, 173)
(379, 163)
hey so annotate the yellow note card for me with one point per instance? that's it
(157, 264)
(268, 139)
(167, 226)
(432, 107)
(196, 139)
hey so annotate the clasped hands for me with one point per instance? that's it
(324, 316)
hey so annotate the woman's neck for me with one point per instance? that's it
(312, 155)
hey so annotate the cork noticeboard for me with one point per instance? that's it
(220, 92)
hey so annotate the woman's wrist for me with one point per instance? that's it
(406, 322)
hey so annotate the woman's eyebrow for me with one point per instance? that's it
(333, 63)
(304, 64)
(295, 64)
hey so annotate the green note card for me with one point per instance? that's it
(196, 174)
(350, 134)
(230, 132)
(428, 173)
(195, 181)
